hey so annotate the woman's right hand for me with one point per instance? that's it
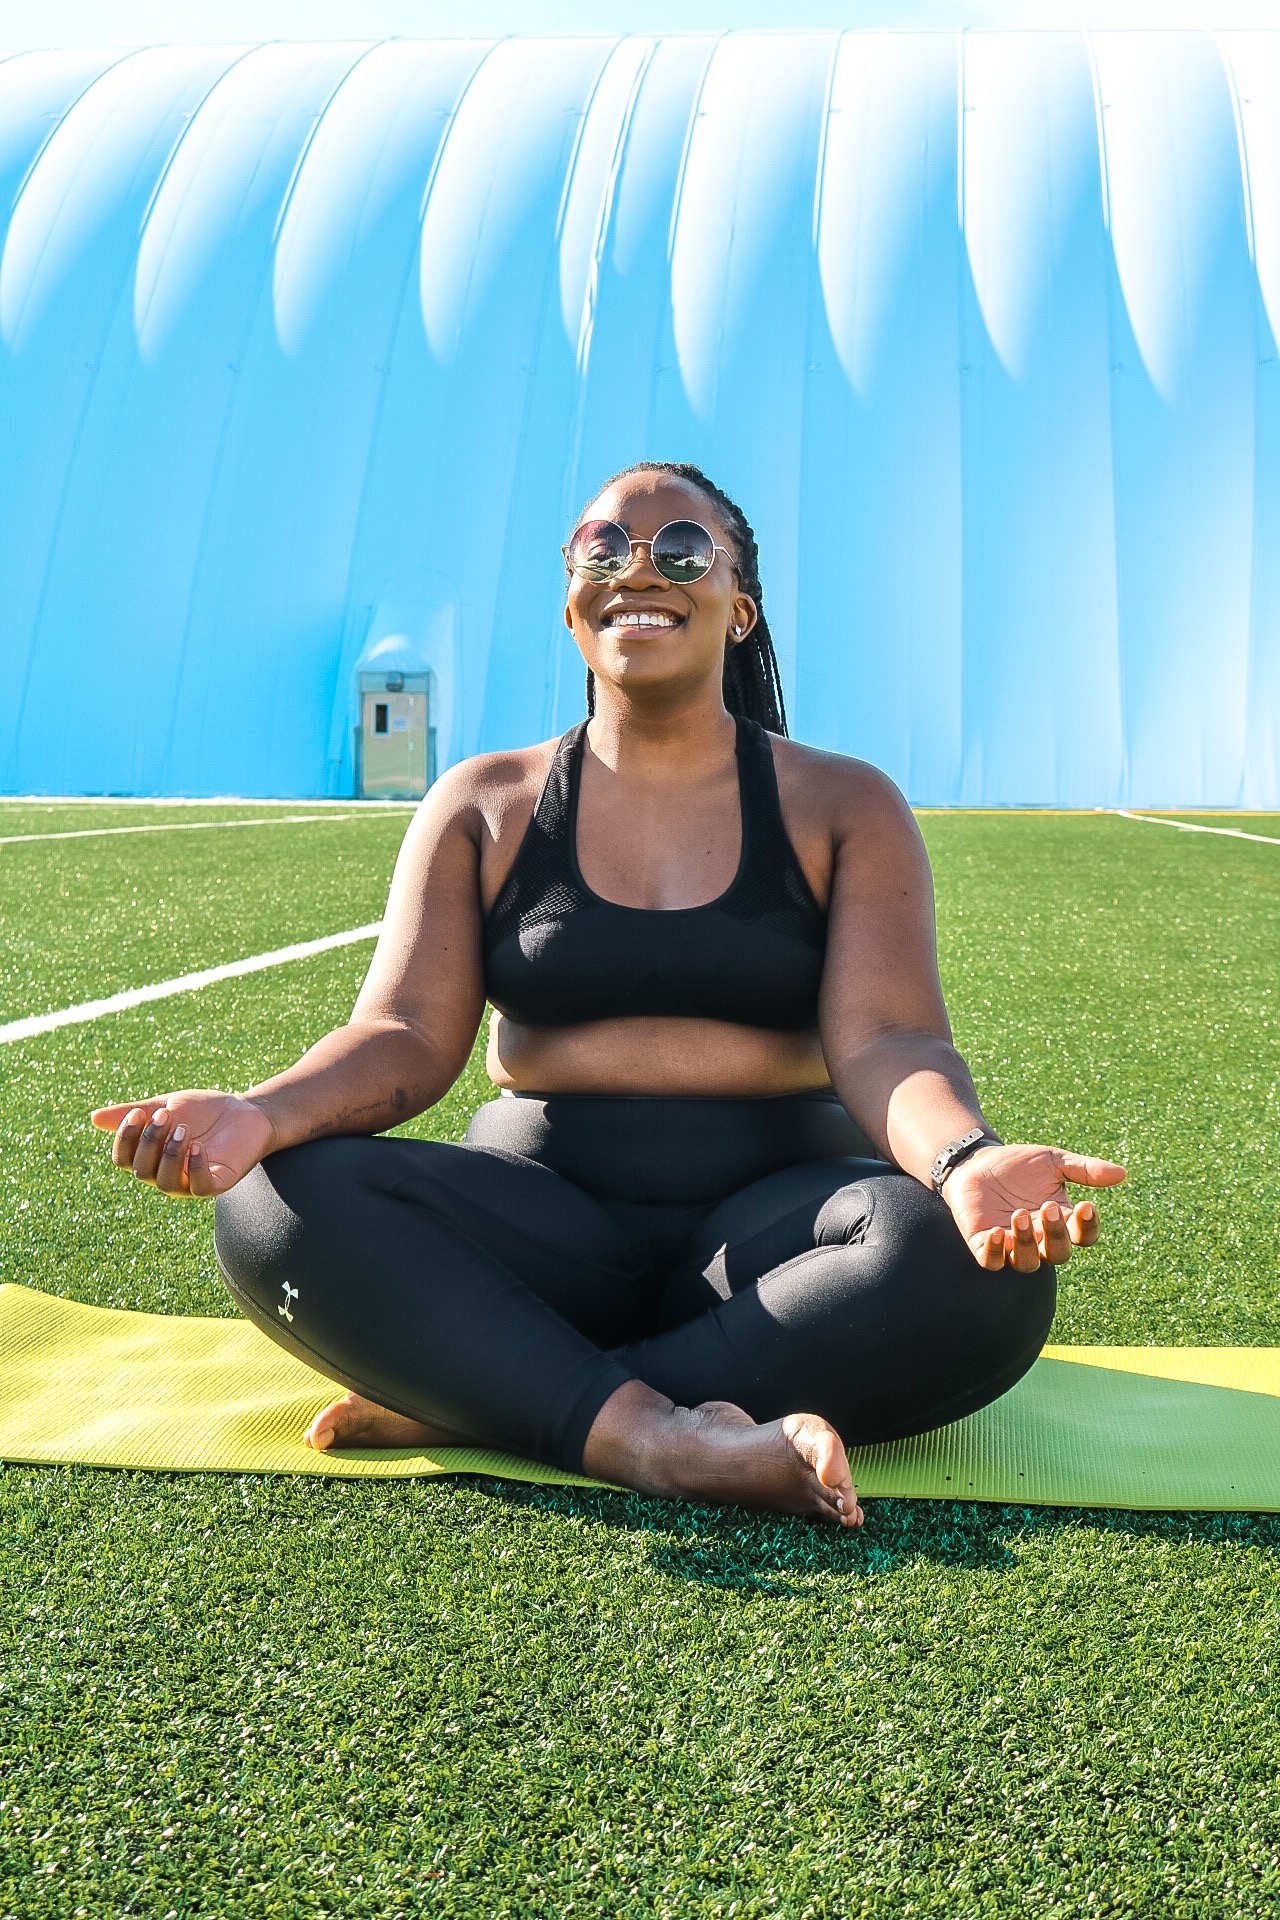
(193, 1143)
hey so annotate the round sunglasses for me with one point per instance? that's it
(682, 551)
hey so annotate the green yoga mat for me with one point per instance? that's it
(1166, 1428)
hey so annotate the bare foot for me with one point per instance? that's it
(717, 1452)
(354, 1421)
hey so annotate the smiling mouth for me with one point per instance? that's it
(637, 619)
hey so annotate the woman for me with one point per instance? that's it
(737, 1205)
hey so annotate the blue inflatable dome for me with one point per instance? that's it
(310, 353)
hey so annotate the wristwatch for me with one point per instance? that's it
(957, 1150)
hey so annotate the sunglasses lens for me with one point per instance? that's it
(599, 549)
(683, 551)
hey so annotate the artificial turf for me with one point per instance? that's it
(252, 1696)
(88, 917)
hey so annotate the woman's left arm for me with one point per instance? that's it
(887, 1042)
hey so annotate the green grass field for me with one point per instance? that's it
(228, 1695)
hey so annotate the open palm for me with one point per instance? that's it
(1012, 1206)
(197, 1142)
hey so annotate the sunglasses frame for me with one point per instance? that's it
(602, 579)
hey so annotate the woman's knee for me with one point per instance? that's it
(291, 1201)
(902, 1224)
(924, 1262)
(256, 1234)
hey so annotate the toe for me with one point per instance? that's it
(323, 1431)
(831, 1464)
(830, 1461)
(822, 1447)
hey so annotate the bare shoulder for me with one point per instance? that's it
(485, 797)
(834, 794)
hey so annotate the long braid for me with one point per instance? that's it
(752, 683)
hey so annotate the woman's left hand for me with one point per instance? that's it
(1012, 1206)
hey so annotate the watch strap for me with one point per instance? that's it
(957, 1150)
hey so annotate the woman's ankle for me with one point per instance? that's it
(626, 1440)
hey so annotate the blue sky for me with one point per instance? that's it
(46, 23)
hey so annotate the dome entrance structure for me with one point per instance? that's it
(980, 328)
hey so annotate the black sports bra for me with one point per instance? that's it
(557, 955)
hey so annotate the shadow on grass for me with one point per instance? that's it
(769, 1554)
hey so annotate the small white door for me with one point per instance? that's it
(393, 745)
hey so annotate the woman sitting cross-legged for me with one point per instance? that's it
(737, 1206)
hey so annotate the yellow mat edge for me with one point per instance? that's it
(1247, 1369)
(373, 1465)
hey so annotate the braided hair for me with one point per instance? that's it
(752, 683)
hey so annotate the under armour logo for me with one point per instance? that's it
(290, 1293)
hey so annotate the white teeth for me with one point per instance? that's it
(642, 620)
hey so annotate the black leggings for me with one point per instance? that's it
(742, 1250)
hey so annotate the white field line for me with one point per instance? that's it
(174, 826)
(185, 983)
(1187, 826)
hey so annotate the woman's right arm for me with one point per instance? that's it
(408, 1039)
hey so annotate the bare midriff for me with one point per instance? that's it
(678, 1058)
